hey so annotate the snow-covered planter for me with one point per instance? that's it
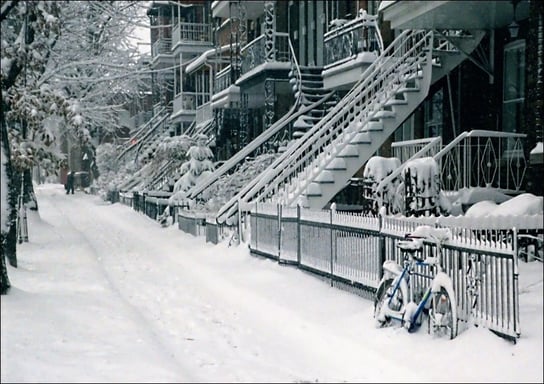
(376, 170)
(422, 186)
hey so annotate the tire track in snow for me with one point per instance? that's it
(147, 326)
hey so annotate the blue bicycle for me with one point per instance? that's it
(395, 296)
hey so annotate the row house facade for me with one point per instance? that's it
(235, 69)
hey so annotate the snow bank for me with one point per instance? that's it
(524, 204)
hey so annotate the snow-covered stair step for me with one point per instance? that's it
(325, 176)
(337, 164)
(349, 151)
(313, 190)
(383, 114)
(396, 102)
(407, 89)
(362, 138)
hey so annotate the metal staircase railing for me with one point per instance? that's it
(144, 132)
(471, 160)
(481, 158)
(296, 110)
(289, 176)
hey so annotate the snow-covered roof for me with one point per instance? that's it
(200, 60)
(537, 149)
(384, 4)
(268, 66)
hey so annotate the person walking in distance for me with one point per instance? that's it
(70, 182)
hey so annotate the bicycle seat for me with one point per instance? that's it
(412, 245)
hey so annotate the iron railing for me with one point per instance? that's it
(354, 37)
(349, 249)
(254, 53)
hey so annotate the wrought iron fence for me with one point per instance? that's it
(259, 51)
(352, 38)
(349, 250)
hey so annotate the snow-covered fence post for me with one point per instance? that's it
(22, 226)
(240, 229)
(516, 281)
(279, 210)
(256, 232)
(332, 244)
(298, 234)
(381, 246)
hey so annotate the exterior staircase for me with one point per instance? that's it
(310, 87)
(155, 127)
(328, 154)
(311, 104)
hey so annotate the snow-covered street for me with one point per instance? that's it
(104, 294)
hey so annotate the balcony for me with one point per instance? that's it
(191, 36)
(349, 50)
(253, 9)
(452, 14)
(184, 105)
(225, 92)
(254, 59)
(161, 47)
(204, 113)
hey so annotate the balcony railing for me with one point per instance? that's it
(204, 112)
(161, 47)
(185, 101)
(254, 54)
(352, 38)
(195, 33)
(223, 79)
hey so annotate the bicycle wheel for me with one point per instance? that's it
(443, 314)
(383, 294)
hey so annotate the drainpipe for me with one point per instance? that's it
(210, 67)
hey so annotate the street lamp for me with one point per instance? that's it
(513, 27)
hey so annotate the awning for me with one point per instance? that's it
(481, 14)
(201, 60)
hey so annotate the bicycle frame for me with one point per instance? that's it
(409, 314)
(395, 296)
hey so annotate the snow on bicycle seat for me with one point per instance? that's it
(431, 233)
(412, 245)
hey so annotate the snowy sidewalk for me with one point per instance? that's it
(104, 294)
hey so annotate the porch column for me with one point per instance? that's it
(269, 101)
(269, 30)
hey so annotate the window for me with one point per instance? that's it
(513, 85)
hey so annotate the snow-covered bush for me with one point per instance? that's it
(173, 148)
(422, 180)
(214, 197)
(199, 165)
(376, 170)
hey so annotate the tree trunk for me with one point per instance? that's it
(9, 238)
(5, 285)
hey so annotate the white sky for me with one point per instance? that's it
(104, 294)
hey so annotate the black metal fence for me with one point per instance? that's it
(349, 250)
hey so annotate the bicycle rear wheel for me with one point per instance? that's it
(443, 314)
(383, 294)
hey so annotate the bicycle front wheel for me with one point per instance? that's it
(443, 313)
(383, 298)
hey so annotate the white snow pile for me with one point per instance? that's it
(467, 197)
(524, 204)
(539, 148)
(378, 168)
